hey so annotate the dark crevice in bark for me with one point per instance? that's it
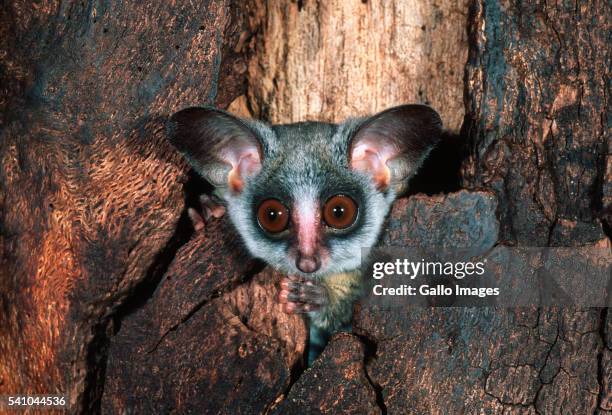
(600, 356)
(551, 230)
(97, 354)
(371, 349)
(98, 349)
(548, 165)
(600, 360)
(441, 171)
(607, 228)
(295, 372)
(216, 294)
(191, 312)
(156, 271)
(597, 196)
(542, 382)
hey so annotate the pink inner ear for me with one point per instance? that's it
(245, 162)
(372, 160)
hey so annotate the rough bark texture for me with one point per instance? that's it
(537, 87)
(485, 360)
(537, 83)
(91, 193)
(107, 296)
(336, 383)
(537, 112)
(329, 60)
(478, 360)
(204, 343)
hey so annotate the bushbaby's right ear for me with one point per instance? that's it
(219, 146)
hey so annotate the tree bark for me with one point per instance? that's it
(91, 191)
(211, 338)
(329, 60)
(107, 294)
(537, 114)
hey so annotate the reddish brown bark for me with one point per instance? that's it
(91, 192)
(107, 296)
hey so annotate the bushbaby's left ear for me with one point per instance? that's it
(223, 149)
(391, 145)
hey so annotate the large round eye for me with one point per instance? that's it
(340, 211)
(272, 216)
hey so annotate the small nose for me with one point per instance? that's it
(308, 264)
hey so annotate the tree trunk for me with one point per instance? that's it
(110, 297)
(537, 116)
(329, 60)
(91, 191)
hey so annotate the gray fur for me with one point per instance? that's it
(301, 159)
(311, 159)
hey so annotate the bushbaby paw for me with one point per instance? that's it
(302, 295)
